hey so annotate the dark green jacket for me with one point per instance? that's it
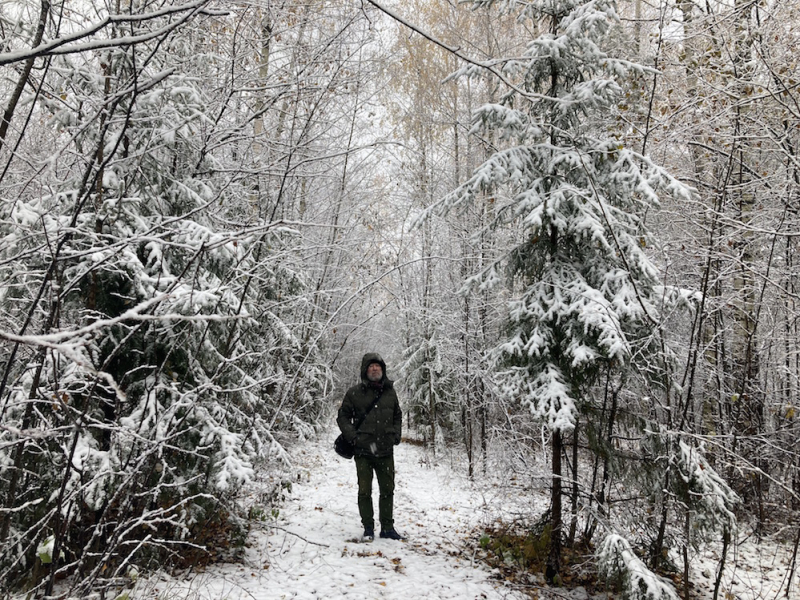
(383, 426)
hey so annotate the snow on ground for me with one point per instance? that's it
(754, 570)
(310, 552)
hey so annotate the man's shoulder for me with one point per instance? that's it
(358, 388)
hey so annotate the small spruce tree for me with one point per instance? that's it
(586, 296)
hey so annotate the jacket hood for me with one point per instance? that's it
(369, 358)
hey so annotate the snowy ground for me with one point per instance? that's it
(309, 550)
(311, 553)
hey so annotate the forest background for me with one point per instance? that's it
(570, 226)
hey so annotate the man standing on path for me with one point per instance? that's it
(374, 441)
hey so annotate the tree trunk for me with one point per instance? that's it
(431, 404)
(11, 107)
(484, 443)
(726, 540)
(658, 545)
(554, 555)
(601, 495)
(573, 525)
(19, 451)
(687, 534)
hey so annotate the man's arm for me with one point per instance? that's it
(345, 419)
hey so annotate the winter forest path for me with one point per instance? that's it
(309, 551)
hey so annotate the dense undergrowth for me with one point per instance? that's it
(517, 552)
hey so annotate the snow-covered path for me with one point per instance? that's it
(309, 551)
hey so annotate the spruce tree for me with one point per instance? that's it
(586, 296)
(173, 367)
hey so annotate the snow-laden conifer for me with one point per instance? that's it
(156, 363)
(430, 400)
(586, 294)
(704, 496)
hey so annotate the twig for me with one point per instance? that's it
(297, 535)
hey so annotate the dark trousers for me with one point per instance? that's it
(383, 467)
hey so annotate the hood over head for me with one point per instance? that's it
(369, 358)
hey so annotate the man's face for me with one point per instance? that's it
(374, 372)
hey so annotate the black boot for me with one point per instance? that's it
(391, 534)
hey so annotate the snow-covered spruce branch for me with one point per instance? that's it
(87, 183)
(36, 435)
(52, 160)
(617, 560)
(717, 442)
(622, 254)
(211, 241)
(22, 507)
(55, 340)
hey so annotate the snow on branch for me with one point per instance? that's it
(547, 394)
(63, 45)
(713, 498)
(56, 339)
(618, 561)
